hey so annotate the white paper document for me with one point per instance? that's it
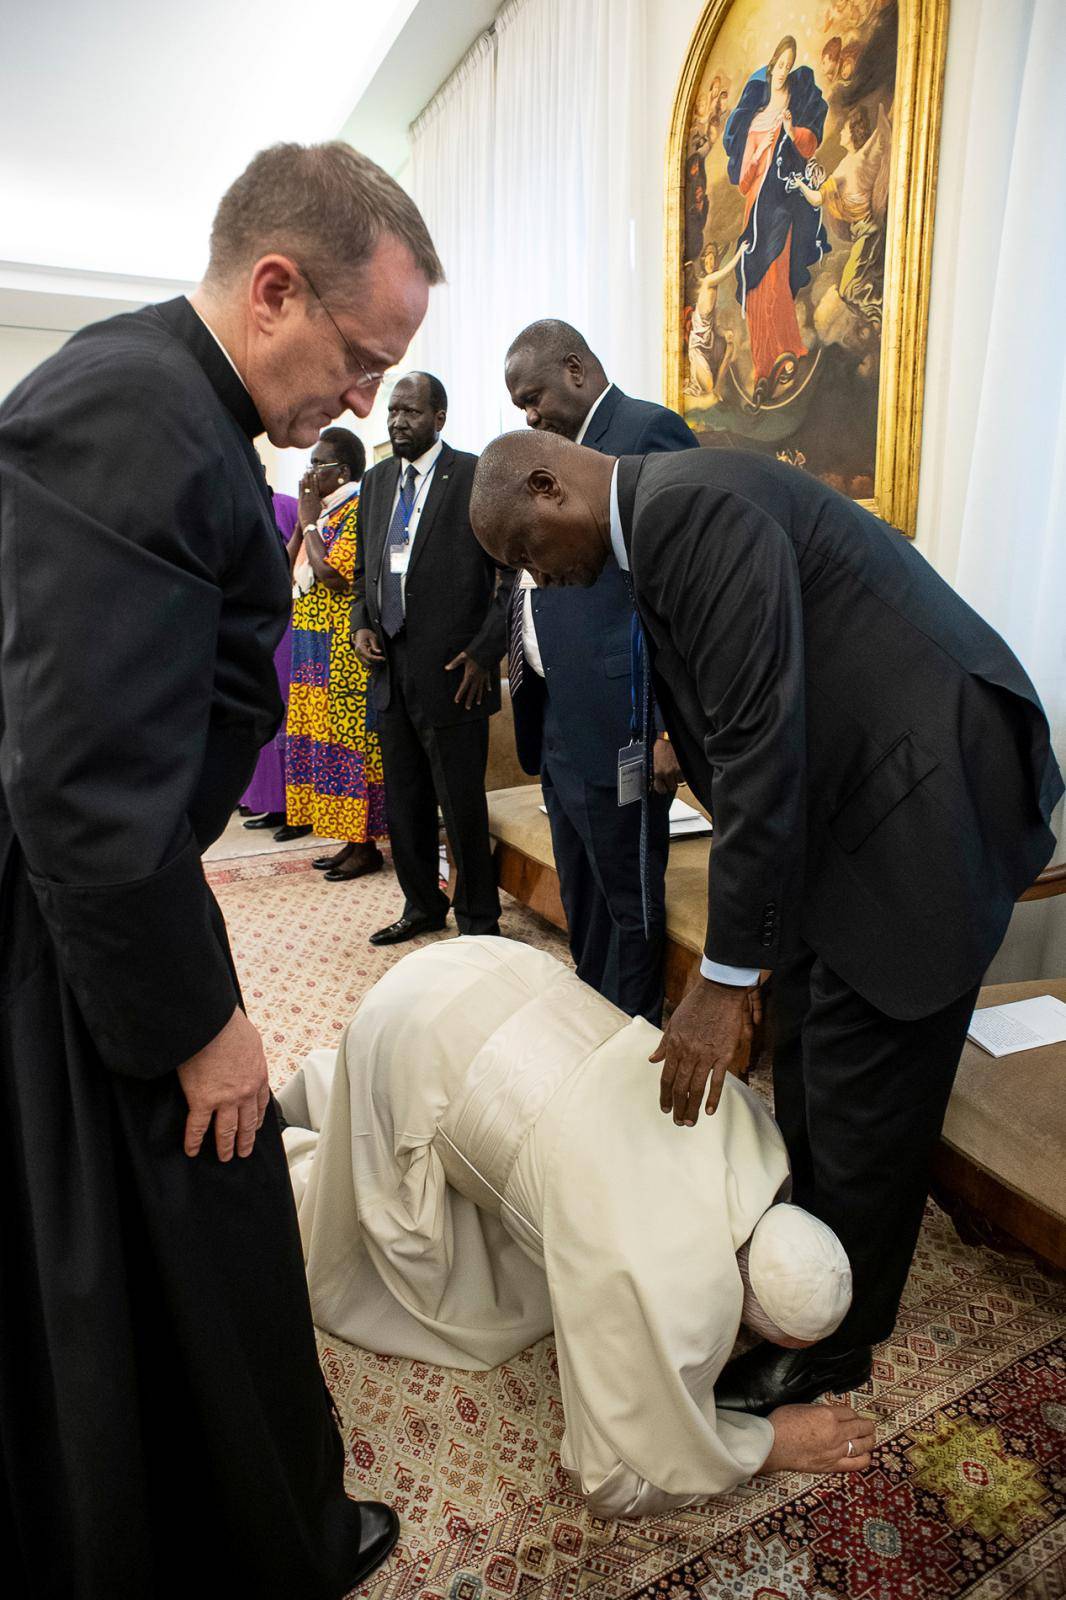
(1021, 1025)
(685, 821)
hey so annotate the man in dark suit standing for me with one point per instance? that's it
(881, 778)
(572, 672)
(429, 617)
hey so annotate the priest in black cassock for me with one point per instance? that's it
(164, 1426)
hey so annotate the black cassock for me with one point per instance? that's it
(164, 1426)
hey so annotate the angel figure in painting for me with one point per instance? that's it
(855, 197)
(770, 136)
(710, 351)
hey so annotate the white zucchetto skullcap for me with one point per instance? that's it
(799, 1272)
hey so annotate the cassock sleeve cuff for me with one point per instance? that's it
(146, 961)
(718, 972)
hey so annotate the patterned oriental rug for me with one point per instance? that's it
(967, 1492)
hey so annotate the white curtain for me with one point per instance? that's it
(525, 168)
(452, 180)
(567, 79)
(993, 492)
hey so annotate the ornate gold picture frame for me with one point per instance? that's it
(801, 184)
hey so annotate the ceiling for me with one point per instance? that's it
(121, 123)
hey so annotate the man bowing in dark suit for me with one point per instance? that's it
(571, 678)
(881, 778)
(429, 617)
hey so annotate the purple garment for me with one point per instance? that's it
(266, 792)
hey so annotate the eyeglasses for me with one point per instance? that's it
(369, 380)
(323, 466)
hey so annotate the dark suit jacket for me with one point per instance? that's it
(584, 634)
(877, 762)
(454, 600)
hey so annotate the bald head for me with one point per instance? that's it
(553, 376)
(542, 503)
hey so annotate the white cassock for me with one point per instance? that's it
(492, 1163)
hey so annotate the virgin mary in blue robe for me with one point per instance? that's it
(783, 237)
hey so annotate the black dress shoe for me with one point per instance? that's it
(379, 1529)
(288, 832)
(270, 819)
(372, 861)
(769, 1376)
(408, 928)
(327, 863)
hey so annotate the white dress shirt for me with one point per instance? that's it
(424, 466)
(226, 353)
(717, 971)
(579, 437)
(530, 646)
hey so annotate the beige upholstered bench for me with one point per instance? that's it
(1001, 1167)
(526, 869)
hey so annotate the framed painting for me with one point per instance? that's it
(801, 181)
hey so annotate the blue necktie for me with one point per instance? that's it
(392, 582)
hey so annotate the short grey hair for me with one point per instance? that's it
(325, 205)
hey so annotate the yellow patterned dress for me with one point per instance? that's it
(333, 775)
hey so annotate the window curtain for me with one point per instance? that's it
(567, 78)
(452, 180)
(992, 516)
(525, 167)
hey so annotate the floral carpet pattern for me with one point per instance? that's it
(967, 1492)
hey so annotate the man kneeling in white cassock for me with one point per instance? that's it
(483, 1160)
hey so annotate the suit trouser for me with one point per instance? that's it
(597, 852)
(860, 1099)
(424, 767)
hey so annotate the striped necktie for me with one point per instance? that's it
(516, 650)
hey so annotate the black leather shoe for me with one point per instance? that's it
(328, 863)
(270, 819)
(288, 832)
(372, 861)
(408, 928)
(379, 1529)
(769, 1376)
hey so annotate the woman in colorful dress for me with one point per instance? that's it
(333, 776)
(264, 799)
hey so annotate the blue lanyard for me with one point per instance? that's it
(636, 664)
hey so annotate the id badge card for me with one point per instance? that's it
(399, 555)
(631, 773)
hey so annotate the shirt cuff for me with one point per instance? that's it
(718, 972)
